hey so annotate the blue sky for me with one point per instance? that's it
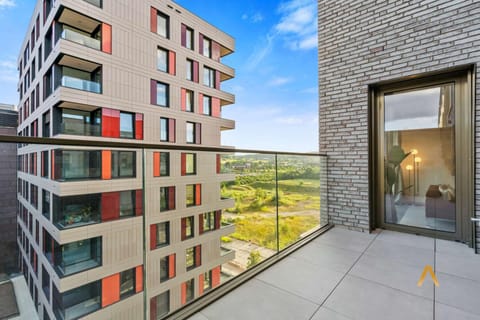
(275, 60)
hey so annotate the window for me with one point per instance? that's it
(33, 68)
(207, 47)
(160, 305)
(80, 122)
(162, 59)
(209, 77)
(77, 256)
(189, 100)
(163, 24)
(127, 125)
(189, 38)
(161, 164)
(189, 164)
(207, 281)
(167, 268)
(78, 210)
(209, 221)
(190, 290)
(46, 283)
(167, 198)
(193, 132)
(47, 84)
(76, 164)
(190, 198)
(45, 164)
(46, 124)
(163, 234)
(207, 105)
(163, 94)
(167, 130)
(193, 257)
(123, 164)
(189, 69)
(127, 283)
(46, 204)
(187, 228)
(34, 196)
(77, 302)
(127, 203)
(40, 57)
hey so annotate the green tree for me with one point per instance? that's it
(253, 259)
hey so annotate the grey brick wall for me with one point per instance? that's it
(364, 42)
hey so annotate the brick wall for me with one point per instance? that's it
(364, 42)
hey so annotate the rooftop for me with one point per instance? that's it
(346, 275)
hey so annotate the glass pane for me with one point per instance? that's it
(126, 125)
(162, 60)
(420, 158)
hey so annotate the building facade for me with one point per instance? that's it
(8, 197)
(111, 233)
(398, 104)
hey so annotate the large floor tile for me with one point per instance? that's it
(444, 312)
(458, 292)
(409, 255)
(256, 300)
(393, 274)
(407, 239)
(327, 256)
(346, 239)
(466, 266)
(307, 281)
(453, 248)
(327, 314)
(361, 299)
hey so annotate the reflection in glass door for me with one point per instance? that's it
(419, 155)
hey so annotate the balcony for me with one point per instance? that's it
(75, 73)
(79, 28)
(346, 275)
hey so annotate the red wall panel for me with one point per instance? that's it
(171, 130)
(200, 43)
(195, 71)
(219, 163)
(200, 103)
(200, 223)
(216, 109)
(217, 79)
(215, 51)
(153, 308)
(106, 38)
(153, 19)
(171, 266)
(171, 198)
(110, 206)
(183, 35)
(183, 164)
(171, 63)
(218, 218)
(216, 277)
(198, 194)
(198, 133)
(200, 283)
(183, 293)
(138, 202)
(198, 255)
(153, 91)
(183, 97)
(153, 236)
(139, 126)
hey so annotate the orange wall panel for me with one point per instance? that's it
(110, 289)
(156, 164)
(216, 277)
(106, 164)
(138, 279)
(171, 62)
(106, 38)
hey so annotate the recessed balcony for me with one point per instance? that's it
(76, 73)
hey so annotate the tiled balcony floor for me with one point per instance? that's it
(347, 275)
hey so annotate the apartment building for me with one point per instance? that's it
(115, 233)
(8, 197)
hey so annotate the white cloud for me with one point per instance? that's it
(7, 3)
(260, 52)
(254, 18)
(298, 24)
(8, 70)
(279, 81)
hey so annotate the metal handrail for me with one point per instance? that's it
(141, 145)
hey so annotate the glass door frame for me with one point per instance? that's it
(464, 152)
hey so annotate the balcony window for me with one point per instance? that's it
(163, 24)
(82, 37)
(189, 163)
(47, 85)
(46, 204)
(127, 283)
(46, 124)
(167, 130)
(127, 203)
(123, 164)
(207, 281)
(209, 77)
(127, 125)
(78, 256)
(193, 131)
(167, 268)
(207, 105)
(79, 122)
(162, 60)
(77, 164)
(81, 80)
(34, 196)
(164, 164)
(46, 283)
(78, 210)
(77, 302)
